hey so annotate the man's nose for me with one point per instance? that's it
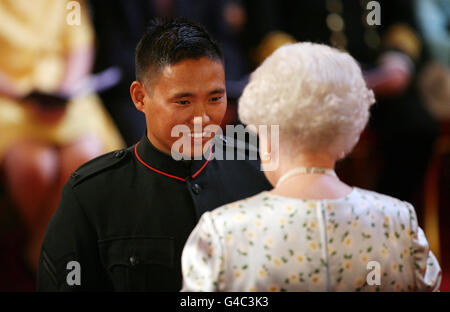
(200, 112)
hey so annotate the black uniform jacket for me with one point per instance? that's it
(125, 216)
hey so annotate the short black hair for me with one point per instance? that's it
(169, 41)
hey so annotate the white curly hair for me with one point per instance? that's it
(315, 93)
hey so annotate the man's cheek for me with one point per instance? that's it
(219, 113)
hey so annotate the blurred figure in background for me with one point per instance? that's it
(44, 133)
(119, 24)
(433, 20)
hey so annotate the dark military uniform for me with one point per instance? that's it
(126, 215)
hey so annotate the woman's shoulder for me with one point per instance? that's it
(378, 200)
(241, 206)
(256, 206)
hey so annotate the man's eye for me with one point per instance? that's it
(216, 98)
(184, 102)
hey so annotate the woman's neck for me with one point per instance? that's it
(309, 185)
(307, 160)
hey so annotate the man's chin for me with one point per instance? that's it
(200, 149)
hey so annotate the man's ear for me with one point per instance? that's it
(138, 94)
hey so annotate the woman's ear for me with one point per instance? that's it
(138, 94)
(269, 147)
(265, 147)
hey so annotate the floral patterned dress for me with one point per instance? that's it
(362, 242)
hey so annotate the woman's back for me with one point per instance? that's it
(364, 241)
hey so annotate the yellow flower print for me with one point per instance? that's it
(273, 288)
(269, 241)
(313, 246)
(252, 289)
(258, 223)
(383, 252)
(199, 283)
(329, 207)
(364, 259)
(355, 224)
(300, 258)
(347, 241)
(394, 267)
(312, 205)
(277, 262)
(315, 279)
(262, 273)
(282, 221)
(221, 279)
(398, 287)
(239, 217)
(293, 277)
(237, 274)
(329, 227)
(405, 252)
(289, 208)
(313, 224)
(228, 238)
(359, 282)
(250, 235)
(348, 265)
(372, 217)
(386, 219)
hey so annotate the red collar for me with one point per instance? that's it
(170, 175)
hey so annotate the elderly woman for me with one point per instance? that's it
(312, 232)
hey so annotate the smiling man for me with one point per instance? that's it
(184, 84)
(124, 217)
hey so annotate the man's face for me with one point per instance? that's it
(192, 88)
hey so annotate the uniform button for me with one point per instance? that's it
(196, 188)
(118, 154)
(134, 260)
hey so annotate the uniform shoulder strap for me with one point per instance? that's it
(98, 164)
